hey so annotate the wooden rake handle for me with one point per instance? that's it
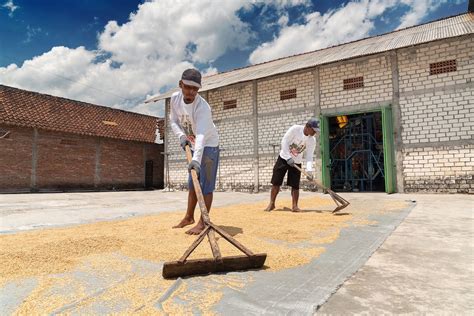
(204, 213)
(210, 227)
(339, 200)
(198, 190)
(319, 184)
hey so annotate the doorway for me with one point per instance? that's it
(149, 174)
(357, 151)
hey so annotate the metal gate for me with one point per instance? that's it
(377, 163)
(357, 155)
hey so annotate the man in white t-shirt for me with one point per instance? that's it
(191, 121)
(296, 140)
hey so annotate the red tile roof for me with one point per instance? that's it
(31, 109)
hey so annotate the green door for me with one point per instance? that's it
(388, 150)
(325, 160)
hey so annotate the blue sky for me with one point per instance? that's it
(118, 53)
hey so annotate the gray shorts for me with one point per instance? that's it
(208, 174)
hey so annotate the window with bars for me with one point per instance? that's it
(230, 104)
(288, 94)
(353, 83)
(443, 67)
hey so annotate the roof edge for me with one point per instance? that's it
(77, 101)
(73, 133)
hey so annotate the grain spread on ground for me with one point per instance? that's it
(117, 264)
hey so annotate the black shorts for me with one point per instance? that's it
(279, 171)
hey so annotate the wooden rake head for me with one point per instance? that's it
(341, 203)
(184, 267)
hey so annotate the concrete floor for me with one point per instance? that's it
(42, 210)
(425, 266)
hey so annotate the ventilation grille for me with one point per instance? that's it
(288, 94)
(443, 67)
(353, 83)
(230, 104)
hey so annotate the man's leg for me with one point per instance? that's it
(294, 177)
(279, 171)
(295, 194)
(273, 196)
(189, 217)
(196, 230)
(207, 178)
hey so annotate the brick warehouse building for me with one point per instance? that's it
(396, 112)
(49, 143)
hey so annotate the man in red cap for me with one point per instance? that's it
(191, 121)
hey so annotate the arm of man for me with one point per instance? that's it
(285, 143)
(309, 154)
(309, 157)
(175, 125)
(204, 123)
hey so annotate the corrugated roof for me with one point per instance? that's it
(31, 109)
(449, 27)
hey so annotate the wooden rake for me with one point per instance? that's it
(184, 267)
(340, 202)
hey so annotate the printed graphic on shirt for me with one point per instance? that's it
(296, 149)
(187, 127)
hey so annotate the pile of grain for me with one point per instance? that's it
(108, 252)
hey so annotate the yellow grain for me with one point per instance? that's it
(108, 251)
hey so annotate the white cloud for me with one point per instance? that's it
(318, 31)
(148, 53)
(142, 56)
(10, 7)
(198, 31)
(418, 10)
(350, 22)
(138, 58)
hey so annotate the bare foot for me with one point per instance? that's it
(296, 209)
(196, 230)
(270, 207)
(184, 222)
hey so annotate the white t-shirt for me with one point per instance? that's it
(193, 120)
(294, 143)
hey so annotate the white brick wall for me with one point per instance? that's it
(241, 93)
(377, 83)
(437, 108)
(444, 169)
(437, 117)
(235, 137)
(178, 173)
(431, 110)
(414, 64)
(265, 169)
(236, 174)
(269, 92)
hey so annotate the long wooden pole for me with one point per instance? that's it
(339, 200)
(204, 212)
